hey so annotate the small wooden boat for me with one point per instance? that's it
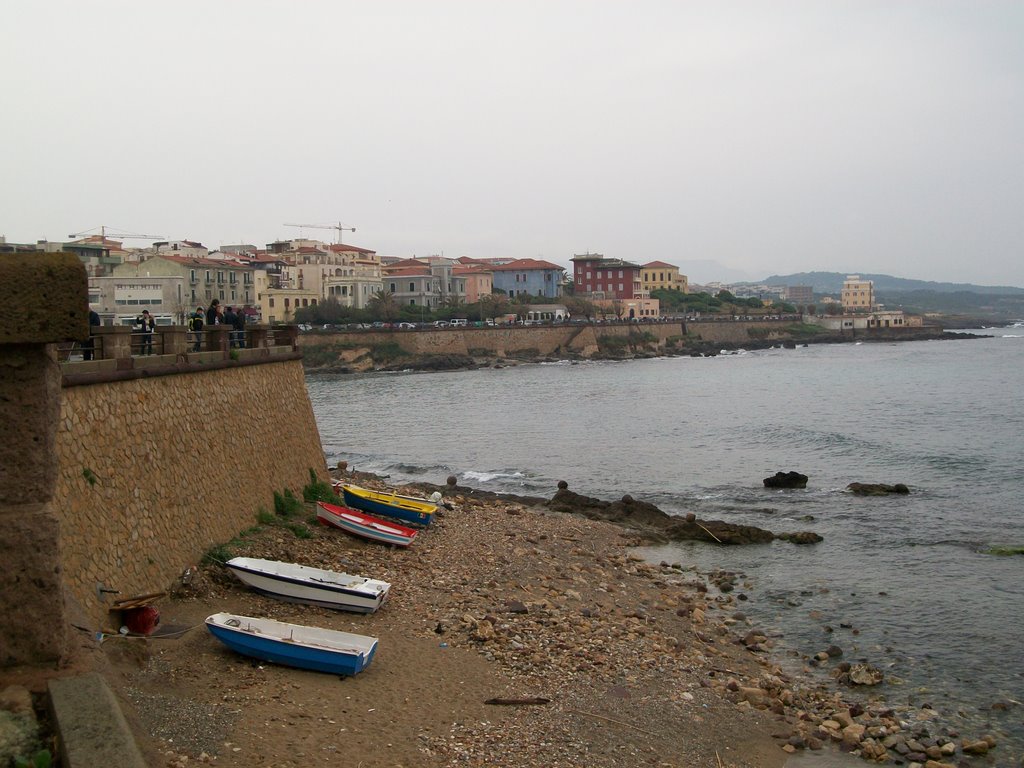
(294, 645)
(305, 584)
(360, 524)
(412, 509)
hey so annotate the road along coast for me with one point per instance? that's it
(514, 635)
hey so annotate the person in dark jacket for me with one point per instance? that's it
(145, 323)
(229, 319)
(89, 347)
(213, 314)
(195, 325)
(240, 328)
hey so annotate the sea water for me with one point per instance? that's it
(905, 583)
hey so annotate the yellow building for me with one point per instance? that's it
(658, 274)
(857, 295)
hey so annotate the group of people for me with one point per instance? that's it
(215, 315)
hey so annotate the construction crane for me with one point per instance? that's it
(115, 234)
(325, 226)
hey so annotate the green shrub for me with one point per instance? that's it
(41, 759)
(285, 503)
(387, 351)
(217, 554)
(318, 490)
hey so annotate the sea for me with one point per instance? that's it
(912, 585)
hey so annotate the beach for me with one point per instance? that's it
(606, 660)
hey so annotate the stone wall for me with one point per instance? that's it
(152, 472)
(498, 341)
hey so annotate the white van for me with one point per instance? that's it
(459, 322)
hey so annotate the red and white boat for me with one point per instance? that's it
(360, 524)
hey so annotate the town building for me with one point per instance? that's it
(799, 294)
(347, 274)
(524, 277)
(857, 295)
(657, 275)
(201, 280)
(603, 278)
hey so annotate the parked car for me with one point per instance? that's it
(459, 322)
(407, 325)
(440, 323)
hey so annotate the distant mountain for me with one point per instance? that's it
(832, 282)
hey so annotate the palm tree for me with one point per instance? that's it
(383, 306)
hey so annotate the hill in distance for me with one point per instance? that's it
(994, 303)
(832, 282)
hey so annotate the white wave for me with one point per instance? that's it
(486, 477)
(1012, 336)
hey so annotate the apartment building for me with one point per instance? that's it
(659, 275)
(857, 295)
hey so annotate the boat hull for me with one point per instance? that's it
(359, 524)
(294, 645)
(313, 586)
(406, 508)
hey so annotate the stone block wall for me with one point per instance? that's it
(152, 472)
(499, 341)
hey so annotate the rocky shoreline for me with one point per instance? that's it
(349, 361)
(598, 657)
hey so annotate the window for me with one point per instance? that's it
(620, 273)
(393, 288)
(620, 284)
(412, 287)
(220, 295)
(271, 301)
(192, 275)
(286, 302)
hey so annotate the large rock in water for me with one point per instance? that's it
(876, 489)
(644, 515)
(786, 480)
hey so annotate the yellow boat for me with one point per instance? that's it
(412, 509)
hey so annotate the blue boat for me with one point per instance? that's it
(294, 645)
(411, 509)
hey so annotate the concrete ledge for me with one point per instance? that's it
(91, 728)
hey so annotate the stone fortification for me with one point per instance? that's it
(152, 472)
(500, 341)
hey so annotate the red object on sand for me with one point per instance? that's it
(142, 621)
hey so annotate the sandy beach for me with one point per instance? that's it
(639, 664)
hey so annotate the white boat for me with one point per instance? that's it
(305, 584)
(296, 645)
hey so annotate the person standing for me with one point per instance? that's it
(229, 319)
(146, 324)
(240, 328)
(195, 324)
(89, 346)
(213, 316)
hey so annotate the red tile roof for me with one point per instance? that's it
(659, 265)
(342, 248)
(520, 265)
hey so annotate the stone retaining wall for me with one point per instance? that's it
(498, 341)
(152, 472)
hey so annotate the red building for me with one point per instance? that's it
(606, 278)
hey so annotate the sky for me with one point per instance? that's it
(735, 139)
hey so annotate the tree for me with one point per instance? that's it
(383, 306)
(580, 307)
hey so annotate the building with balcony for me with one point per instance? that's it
(657, 275)
(857, 295)
(602, 278)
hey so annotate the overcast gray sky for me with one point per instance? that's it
(769, 137)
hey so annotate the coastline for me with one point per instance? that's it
(642, 663)
(348, 353)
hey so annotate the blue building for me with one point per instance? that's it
(529, 277)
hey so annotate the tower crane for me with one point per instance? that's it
(337, 226)
(119, 235)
